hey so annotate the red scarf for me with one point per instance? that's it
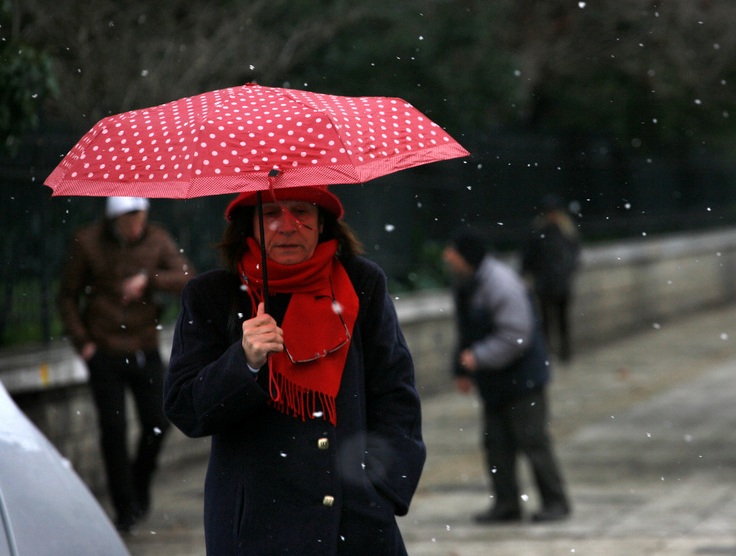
(318, 325)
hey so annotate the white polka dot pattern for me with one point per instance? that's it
(228, 140)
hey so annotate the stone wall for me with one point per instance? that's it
(621, 289)
(626, 286)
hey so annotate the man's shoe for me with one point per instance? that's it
(554, 513)
(140, 511)
(125, 524)
(495, 515)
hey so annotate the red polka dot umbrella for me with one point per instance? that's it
(231, 140)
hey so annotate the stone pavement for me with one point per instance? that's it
(644, 427)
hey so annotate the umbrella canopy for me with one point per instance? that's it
(231, 140)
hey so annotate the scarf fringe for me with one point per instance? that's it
(296, 401)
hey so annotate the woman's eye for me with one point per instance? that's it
(300, 211)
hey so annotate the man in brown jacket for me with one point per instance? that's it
(106, 300)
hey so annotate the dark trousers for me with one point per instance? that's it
(515, 428)
(555, 311)
(129, 479)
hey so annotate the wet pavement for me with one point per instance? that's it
(645, 430)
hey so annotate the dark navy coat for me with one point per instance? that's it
(278, 484)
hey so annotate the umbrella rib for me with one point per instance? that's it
(323, 110)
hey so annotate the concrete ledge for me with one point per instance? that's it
(41, 368)
(626, 286)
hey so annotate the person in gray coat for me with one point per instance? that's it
(501, 352)
(306, 391)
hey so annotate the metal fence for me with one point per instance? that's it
(402, 219)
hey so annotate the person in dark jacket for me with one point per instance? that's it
(501, 352)
(307, 391)
(112, 271)
(549, 260)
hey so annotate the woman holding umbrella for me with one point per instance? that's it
(307, 390)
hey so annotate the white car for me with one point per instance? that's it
(45, 508)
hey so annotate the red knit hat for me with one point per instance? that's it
(313, 194)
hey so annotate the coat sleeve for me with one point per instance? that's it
(506, 300)
(74, 278)
(395, 452)
(173, 269)
(208, 387)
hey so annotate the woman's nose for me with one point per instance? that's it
(287, 222)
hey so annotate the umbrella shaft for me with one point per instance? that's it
(264, 269)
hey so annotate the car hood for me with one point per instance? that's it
(45, 508)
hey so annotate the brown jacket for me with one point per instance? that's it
(90, 295)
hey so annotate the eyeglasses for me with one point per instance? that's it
(343, 341)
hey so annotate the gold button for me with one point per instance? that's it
(323, 443)
(328, 501)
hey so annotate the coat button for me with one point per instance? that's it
(323, 443)
(328, 501)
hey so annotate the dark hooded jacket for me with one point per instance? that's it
(551, 255)
(278, 484)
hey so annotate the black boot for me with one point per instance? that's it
(498, 515)
(555, 512)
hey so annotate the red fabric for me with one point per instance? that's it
(317, 195)
(229, 140)
(318, 325)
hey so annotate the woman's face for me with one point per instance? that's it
(291, 230)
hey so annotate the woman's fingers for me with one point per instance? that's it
(261, 336)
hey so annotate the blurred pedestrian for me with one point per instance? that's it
(501, 352)
(112, 272)
(549, 260)
(308, 392)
